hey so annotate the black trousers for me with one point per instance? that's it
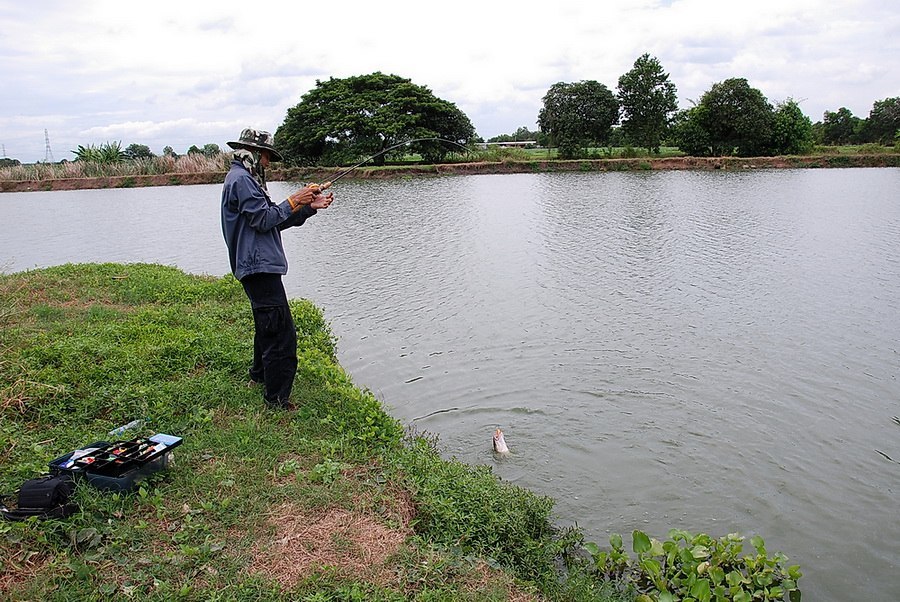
(275, 338)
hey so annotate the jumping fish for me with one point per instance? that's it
(500, 443)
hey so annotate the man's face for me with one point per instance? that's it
(264, 158)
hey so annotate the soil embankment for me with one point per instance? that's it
(482, 167)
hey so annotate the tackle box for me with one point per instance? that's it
(118, 465)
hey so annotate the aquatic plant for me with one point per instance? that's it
(697, 567)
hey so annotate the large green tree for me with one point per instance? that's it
(578, 115)
(840, 127)
(689, 134)
(793, 131)
(648, 100)
(884, 121)
(138, 151)
(731, 118)
(342, 120)
(738, 119)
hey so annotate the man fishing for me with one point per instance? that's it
(252, 225)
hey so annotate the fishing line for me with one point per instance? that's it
(343, 173)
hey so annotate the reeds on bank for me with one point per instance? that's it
(191, 163)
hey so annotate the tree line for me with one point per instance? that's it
(343, 119)
(731, 118)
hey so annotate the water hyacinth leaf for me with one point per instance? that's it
(734, 578)
(700, 552)
(757, 542)
(666, 597)
(794, 596)
(701, 591)
(794, 572)
(615, 540)
(766, 578)
(656, 548)
(592, 548)
(640, 542)
(651, 567)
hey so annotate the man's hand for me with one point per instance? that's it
(302, 197)
(322, 201)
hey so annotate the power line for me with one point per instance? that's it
(48, 154)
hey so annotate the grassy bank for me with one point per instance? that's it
(331, 502)
(334, 501)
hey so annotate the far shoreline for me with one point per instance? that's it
(295, 174)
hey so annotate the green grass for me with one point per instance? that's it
(86, 348)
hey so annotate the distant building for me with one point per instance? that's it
(517, 143)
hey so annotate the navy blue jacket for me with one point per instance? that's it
(252, 225)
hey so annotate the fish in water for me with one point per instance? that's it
(500, 443)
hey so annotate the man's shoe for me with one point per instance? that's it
(285, 406)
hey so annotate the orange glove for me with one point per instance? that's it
(302, 197)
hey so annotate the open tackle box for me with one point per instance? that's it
(118, 465)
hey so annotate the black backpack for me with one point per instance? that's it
(45, 497)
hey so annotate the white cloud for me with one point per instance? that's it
(186, 73)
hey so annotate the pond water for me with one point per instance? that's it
(710, 351)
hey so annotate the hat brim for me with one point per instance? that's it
(274, 154)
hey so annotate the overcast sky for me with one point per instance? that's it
(196, 72)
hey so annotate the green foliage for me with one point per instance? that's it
(793, 134)
(208, 150)
(689, 133)
(840, 127)
(737, 118)
(467, 508)
(734, 119)
(884, 121)
(578, 116)
(106, 153)
(648, 100)
(697, 567)
(138, 151)
(343, 120)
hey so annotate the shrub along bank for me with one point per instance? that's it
(73, 176)
(331, 502)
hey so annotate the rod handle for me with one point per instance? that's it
(317, 188)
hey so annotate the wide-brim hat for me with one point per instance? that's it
(257, 140)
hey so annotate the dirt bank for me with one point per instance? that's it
(506, 167)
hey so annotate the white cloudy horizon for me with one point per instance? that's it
(192, 73)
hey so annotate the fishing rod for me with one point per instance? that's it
(325, 185)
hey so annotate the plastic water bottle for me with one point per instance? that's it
(134, 424)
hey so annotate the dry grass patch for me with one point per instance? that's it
(20, 567)
(485, 578)
(301, 542)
